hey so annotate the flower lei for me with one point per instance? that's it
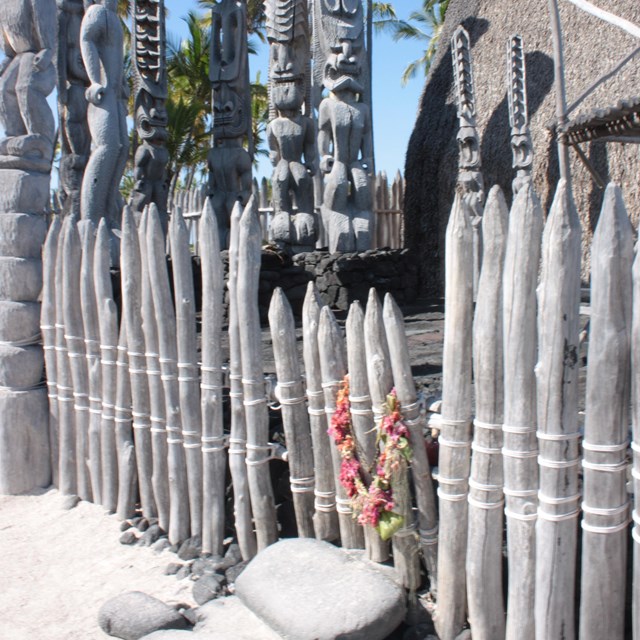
(373, 505)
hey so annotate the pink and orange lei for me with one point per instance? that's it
(373, 505)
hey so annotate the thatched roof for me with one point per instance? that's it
(591, 49)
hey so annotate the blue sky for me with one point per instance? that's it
(394, 106)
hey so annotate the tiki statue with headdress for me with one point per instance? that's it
(290, 132)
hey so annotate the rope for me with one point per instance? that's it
(487, 425)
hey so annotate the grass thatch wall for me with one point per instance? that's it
(591, 48)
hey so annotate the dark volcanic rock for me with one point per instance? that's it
(134, 614)
(208, 587)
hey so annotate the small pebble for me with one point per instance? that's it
(172, 568)
(207, 566)
(151, 535)
(190, 549)
(208, 588)
(233, 572)
(143, 525)
(160, 545)
(124, 525)
(128, 537)
(183, 572)
(233, 556)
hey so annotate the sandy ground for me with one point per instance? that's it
(58, 567)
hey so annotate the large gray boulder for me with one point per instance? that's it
(134, 614)
(305, 589)
(229, 619)
(591, 49)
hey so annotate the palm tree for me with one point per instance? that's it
(424, 25)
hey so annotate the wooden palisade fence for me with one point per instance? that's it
(137, 416)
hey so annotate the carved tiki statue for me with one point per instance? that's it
(344, 124)
(75, 142)
(101, 45)
(151, 157)
(27, 77)
(521, 145)
(290, 132)
(229, 162)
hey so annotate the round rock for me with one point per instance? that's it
(190, 548)
(294, 586)
(208, 587)
(134, 614)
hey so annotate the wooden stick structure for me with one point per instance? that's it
(74, 336)
(48, 329)
(188, 382)
(91, 328)
(364, 428)
(67, 469)
(295, 418)
(255, 402)
(410, 408)
(131, 276)
(238, 439)
(380, 381)
(455, 439)
(606, 505)
(635, 444)
(127, 476)
(333, 368)
(325, 518)
(520, 446)
(486, 500)
(157, 411)
(557, 416)
(214, 446)
(179, 522)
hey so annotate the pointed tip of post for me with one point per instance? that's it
(355, 311)
(373, 299)
(390, 307)
(613, 224)
(207, 209)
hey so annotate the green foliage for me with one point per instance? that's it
(424, 25)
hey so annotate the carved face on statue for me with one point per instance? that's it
(227, 20)
(522, 151)
(151, 118)
(343, 67)
(468, 147)
(229, 113)
(287, 74)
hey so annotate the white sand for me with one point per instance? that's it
(58, 567)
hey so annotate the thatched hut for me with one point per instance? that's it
(592, 48)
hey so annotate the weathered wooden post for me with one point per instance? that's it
(92, 349)
(74, 336)
(67, 473)
(333, 368)
(519, 430)
(455, 439)
(325, 519)
(157, 418)
(238, 438)
(255, 401)
(127, 476)
(486, 500)
(420, 470)
(108, 324)
(188, 383)
(295, 419)
(167, 350)
(558, 431)
(214, 458)
(132, 284)
(27, 39)
(635, 444)
(48, 329)
(380, 379)
(364, 428)
(606, 505)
